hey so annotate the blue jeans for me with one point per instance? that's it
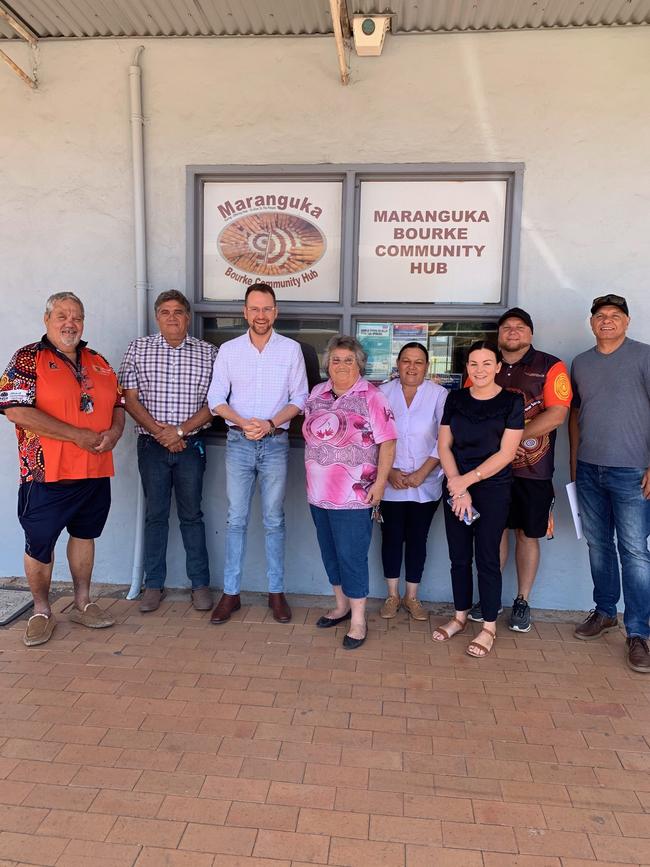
(344, 539)
(160, 471)
(611, 500)
(246, 462)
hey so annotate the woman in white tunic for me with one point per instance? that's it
(414, 484)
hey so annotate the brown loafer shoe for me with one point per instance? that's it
(92, 616)
(390, 608)
(595, 625)
(202, 599)
(224, 608)
(39, 629)
(415, 609)
(638, 654)
(151, 599)
(280, 607)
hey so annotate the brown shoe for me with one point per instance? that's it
(638, 654)
(92, 616)
(415, 609)
(202, 598)
(39, 629)
(595, 625)
(280, 607)
(151, 599)
(224, 608)
(390, 608)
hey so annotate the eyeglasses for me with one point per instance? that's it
(348, 362)
(607, 300)
(257, 310)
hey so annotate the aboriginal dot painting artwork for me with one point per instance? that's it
(269, 243)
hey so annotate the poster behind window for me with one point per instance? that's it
(284, 233)
(431, 241)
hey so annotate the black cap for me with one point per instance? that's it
(516, 313)
(609, 300)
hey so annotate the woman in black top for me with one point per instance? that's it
(478, 438)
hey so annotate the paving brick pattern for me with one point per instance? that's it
(168, 742)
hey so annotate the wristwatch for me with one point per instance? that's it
(180, 432)
(272, 428)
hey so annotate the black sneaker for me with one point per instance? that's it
(520, 615)
(476, 614)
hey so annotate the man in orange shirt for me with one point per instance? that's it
(68, 410)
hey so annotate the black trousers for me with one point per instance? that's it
(406, 527)
(482, 538)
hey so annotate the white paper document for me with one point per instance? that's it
(572, 494)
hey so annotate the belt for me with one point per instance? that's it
(275, 433)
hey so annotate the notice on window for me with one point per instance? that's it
(376, 339)
(286, 234)
(408, 332)
(431, 241)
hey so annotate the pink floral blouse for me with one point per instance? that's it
(342, 438)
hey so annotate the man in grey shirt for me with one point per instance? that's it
(609, 432)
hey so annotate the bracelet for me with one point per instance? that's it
(478, 475)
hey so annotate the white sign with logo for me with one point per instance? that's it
(286, 234)
(423, 241)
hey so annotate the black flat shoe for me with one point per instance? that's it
(352, 643)
(326, 622)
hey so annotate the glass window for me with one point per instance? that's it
(311, 334)
(447, 343)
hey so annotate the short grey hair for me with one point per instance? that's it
(343, 341)
(62, 296)
(171, 295)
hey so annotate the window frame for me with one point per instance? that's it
(352, 175)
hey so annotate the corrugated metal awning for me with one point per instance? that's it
(158, 18)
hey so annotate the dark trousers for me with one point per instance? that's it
(161, 471)
(405, 528)
(482, 538)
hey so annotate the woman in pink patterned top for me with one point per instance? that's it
(350, 439)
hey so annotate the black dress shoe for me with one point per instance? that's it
(352, 643)
(325, 622)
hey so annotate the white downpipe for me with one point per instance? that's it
(141, 281)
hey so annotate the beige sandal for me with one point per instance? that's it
(445, 633)
(480, 650)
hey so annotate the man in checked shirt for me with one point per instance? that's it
(165, 378)
(259, 384)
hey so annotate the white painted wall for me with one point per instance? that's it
(570, 105)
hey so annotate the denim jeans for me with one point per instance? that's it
(246, 462)
(611, 501)
(160, 471)
(344, 539)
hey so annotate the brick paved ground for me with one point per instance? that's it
(167, 742)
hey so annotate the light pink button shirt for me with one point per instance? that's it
(417, 426)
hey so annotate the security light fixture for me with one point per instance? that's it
(369, 32)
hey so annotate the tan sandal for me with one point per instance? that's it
(480, 650)
(445, 633)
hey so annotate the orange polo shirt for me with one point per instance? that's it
(84, 396)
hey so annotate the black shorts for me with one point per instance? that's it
(530, 506)
(45, 508)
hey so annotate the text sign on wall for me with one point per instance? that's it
(286, 234)
(438, 240)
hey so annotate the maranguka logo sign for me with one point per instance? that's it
(286, 235)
